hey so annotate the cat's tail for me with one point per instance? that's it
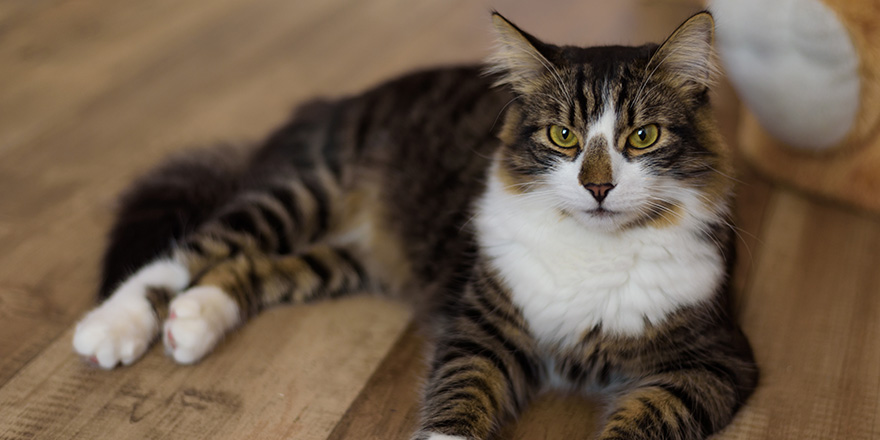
(167, 203)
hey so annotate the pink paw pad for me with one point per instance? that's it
(171, 342)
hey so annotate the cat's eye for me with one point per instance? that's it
(644, 137)
(561, 136)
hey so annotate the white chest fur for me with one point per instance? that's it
(567, 279)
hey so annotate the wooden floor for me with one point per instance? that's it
(92, 93)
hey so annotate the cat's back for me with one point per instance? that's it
(433, 122)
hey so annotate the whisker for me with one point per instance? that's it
(501, 112)
(732, 178)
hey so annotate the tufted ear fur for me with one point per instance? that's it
(519, 58)
(686, 60)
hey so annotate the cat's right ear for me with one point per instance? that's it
(686, 59)
(519, 59)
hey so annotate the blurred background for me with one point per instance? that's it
(93, 93)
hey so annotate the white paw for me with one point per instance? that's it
(120, 330)
(197, 319)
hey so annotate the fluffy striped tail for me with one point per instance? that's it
(165, 205)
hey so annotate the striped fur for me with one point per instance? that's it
(420, 189)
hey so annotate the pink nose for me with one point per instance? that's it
(599, 190)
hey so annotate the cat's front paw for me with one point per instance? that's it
(197, 320)
(119, 330)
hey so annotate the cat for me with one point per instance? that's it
(561, 216)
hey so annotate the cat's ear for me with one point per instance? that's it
(519, 59)
(686, 60)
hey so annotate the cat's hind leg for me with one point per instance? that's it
(196, 321)
(240, 287)
(280, 218)
(124, 326)
(165, 205)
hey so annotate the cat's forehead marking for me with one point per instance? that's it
(604, 124)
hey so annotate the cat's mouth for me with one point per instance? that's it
(602, 212)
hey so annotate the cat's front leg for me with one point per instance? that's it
(485, 370)
(470, 391)
(688, 404)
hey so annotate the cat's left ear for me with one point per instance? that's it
(519, 58)
(686, 59)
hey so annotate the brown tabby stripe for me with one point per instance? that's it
(285, 196)
(280, 225)
(320, 194)
(485, 366)
(257, 281)
(277, 220)
(683, 379)
(663, 411)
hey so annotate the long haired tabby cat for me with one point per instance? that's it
(582, 243)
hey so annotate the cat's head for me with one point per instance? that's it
(614, 137)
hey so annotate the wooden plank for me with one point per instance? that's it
(387, 407)
(812, 313)
(16, 13)
(29, 325)
(270, 380)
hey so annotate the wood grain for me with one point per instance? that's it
(812, 312)
(94, 92)
(260, 383)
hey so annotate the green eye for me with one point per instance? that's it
(644, 137)
(562, 137)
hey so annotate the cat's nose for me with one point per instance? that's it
(599, 190)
